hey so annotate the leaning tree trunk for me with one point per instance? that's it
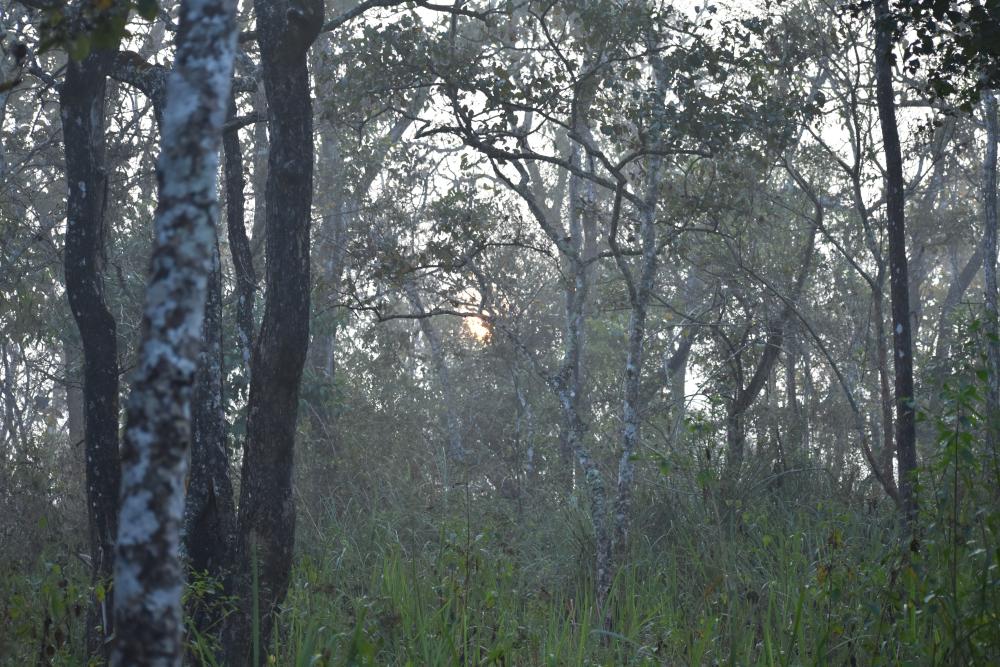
(266, 521)
(899, 290)
(149, 575)
(82, 108)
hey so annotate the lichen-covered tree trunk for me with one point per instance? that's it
(571, 380)
(899, 291)
(82, 109)
(148, 571)
(639, 294)
(266, 517)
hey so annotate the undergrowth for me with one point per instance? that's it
(796, 573)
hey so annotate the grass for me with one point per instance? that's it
(779, 585)
(780, 582)
(793, 574)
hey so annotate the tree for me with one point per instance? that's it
(899, 285)
(82, 100)
(148, 571)
(266, 516)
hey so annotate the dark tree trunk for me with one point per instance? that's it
(239, 244)
(266, 522)
(885, 461)
(990, 262)
(82, 109)
(209, 514)
(745, 396)
(899, 290)
(149, 576)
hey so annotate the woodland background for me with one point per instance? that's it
(557, 332)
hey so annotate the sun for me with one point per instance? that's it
(478, 328)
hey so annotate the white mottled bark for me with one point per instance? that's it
(148, 573)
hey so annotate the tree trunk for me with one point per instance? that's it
(990, 261)
(639, 294)
(266, 521)
(899, 290)
(745, 396)
(82, 108)
(239, 244)
(888, 454)
(454, 451)
(148, 572)
(960, 282)
(209, 514)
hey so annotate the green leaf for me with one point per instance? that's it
(79, 47)
(147, 9)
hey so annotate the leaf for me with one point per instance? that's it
(147, 9)
(79, 47)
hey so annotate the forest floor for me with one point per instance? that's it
(778, 581)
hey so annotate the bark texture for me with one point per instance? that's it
(82, 108)
(149, 575)
(639, 292)
(266, 520)
(209, 514)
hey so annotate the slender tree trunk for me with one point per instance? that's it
(745, 396)
(454, 450)
(525, 429)
(82, 108)
(266, 521)
(675, 368)
(899, 291)
(885, 392)
(239, 244)
(639, 293)
(961, 280)
(796, 426)
(149, 575)
(571, 382)
(990, 260)
(209, 515)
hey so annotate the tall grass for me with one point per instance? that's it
(796, 573)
